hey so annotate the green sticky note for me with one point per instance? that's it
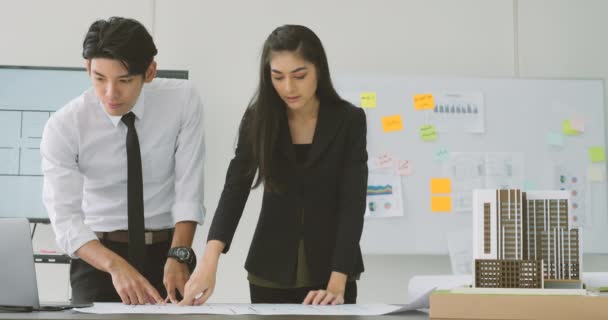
(428, 133)
(442, 154)
(567, 128)
(529, 185)
(555, 139)
(597, 154)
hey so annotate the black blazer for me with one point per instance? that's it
(323, 201)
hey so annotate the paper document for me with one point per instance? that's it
(421, 286)
(421, 302)
(479, 170)
(570, 177)
(242, 309)
(596, 279)
(256, 309)
(374, 309)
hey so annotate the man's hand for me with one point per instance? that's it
(176, 273)
(131, 286)
(176, 276)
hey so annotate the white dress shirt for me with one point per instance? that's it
(84, 162)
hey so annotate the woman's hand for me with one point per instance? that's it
(200, 285)
(202, 281)
(324, 297)
(334, 294)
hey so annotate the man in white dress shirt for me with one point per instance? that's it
(125, 156)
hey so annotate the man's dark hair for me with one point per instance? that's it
(122, 39)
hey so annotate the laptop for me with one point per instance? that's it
(18, 286)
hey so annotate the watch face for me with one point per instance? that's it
(183, 254)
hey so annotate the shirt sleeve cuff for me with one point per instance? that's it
(188, 211)
(79, 241)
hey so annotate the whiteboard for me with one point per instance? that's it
(521, 119)
(28, 97)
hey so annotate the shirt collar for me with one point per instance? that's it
(138, 110)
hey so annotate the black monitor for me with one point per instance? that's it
(28, 96)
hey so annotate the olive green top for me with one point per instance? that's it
(302, 274)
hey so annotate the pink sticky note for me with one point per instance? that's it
(383, 160)
(404, 167)
(577, 123)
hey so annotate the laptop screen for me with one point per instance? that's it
(17, 275)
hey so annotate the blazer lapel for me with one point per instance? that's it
(328, 122)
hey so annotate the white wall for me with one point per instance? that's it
(220, 43)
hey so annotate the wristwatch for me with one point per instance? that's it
(184, 255)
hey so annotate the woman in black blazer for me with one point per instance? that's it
(308, 148)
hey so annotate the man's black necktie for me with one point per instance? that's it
(135, 196)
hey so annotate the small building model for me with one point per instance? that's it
(523, 240)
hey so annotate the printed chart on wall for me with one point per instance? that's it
(479, 170)
(433, 140)
(458, 112)
(384, 196)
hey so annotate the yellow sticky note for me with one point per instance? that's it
(424, 101)
(597, 154)
(392, 123)
(567, 128)
(441, 185)
(368, 100)
(441, 203)
(428, 133)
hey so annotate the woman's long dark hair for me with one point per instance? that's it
(266, 109)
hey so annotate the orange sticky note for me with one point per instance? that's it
(392, 123)
(441, 185)
(441, 203)
(424, 101)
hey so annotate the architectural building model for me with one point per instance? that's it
(523, 240)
